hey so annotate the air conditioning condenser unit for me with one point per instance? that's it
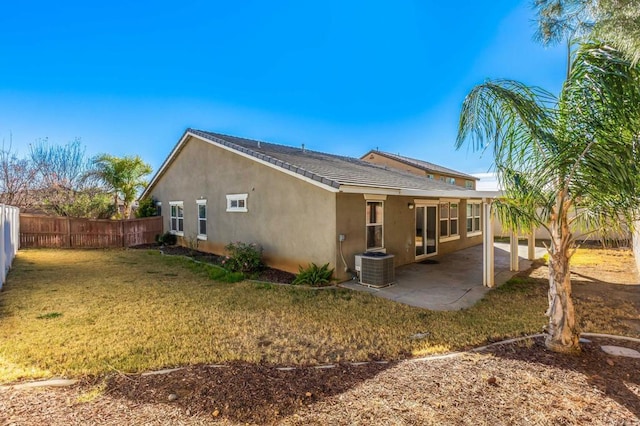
(375, 269)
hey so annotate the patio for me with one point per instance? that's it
(449, 282)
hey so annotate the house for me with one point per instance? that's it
(421, 168)
(305, 206)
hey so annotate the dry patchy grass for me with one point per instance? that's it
(75, 313)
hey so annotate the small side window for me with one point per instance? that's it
(237, 202)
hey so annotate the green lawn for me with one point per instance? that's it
(75, 313)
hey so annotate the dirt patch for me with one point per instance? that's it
(240, 391)
(519, 383)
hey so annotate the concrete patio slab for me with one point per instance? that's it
(453, 283)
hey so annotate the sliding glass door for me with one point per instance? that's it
(426, 230)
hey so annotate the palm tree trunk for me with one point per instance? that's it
(562, 332)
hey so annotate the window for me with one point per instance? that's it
(375, 222)
(237, 202)
(468, 184)
(429, 176)
(473, 217)
(449, 220)
(202, 219)
(177, 217)
(449, 180)
(444, 219)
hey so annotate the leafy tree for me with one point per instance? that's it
(563, 160)
(91, 203)
(147, 208)
(123, 176)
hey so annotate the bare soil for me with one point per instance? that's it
(518, 383)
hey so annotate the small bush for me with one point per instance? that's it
(314, 275)
(147, 208)
(167, 239)
(243, 257)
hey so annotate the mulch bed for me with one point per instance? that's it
(267, 274)
(240, 391)
(517, 383)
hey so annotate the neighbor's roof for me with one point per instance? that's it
(423, 165)
(334, 172)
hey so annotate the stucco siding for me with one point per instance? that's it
(293, 220)
(399, 229)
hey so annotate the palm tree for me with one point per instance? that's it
(123, 176)
(616, 21)
(563, 161)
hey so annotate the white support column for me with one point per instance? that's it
(531, 252)
(513, 252)
(488, 278)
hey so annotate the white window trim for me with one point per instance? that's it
(237, 197)
(375, 197)
(175, 231)
(367, 225)
(449, 237)
(479, 231)
(200, 202)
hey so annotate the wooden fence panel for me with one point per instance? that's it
(44, 231)
(141, 231)
(38, 231)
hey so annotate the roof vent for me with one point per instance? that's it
(303, 148)
(258, 144)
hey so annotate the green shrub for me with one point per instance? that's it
(243, 257)
(314, 275)
(167, 239)
(147, 208)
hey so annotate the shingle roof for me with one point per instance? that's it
(424, 165)
(329, 169)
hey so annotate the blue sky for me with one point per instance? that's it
(341, 77)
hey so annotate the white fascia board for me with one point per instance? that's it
(459, 194)
(433, 193)
(363, 189)
(178, 148)
(165, 164)
(273, 166)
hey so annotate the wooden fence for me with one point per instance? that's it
(9, 235)
(38, 231)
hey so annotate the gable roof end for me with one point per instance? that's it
(420, 164)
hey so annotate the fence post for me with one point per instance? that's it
(68, 232)
(3, 253)
(122, 232)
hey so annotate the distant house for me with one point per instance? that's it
(305, 206)
(421, 168)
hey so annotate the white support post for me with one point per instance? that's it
(531, 252)
(488, 278)
(513, 252)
